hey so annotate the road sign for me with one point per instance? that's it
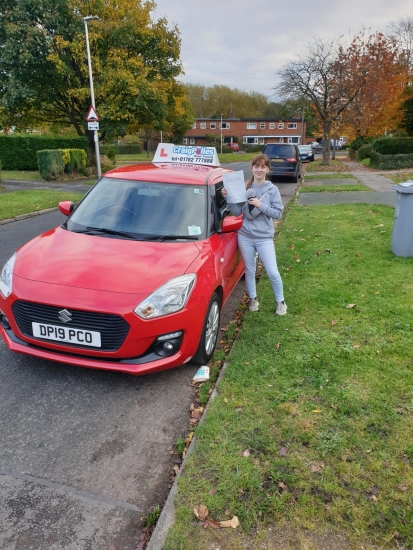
(93, 126)
(92, 115)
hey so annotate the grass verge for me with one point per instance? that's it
(400, 176)
(20, 175)
(331, 176)
(333, 188)
(333, 166)
(312, 425)
(23, 202)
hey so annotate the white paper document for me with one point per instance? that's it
(234, 183)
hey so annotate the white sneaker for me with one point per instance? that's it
(281, 308)
(253, 304)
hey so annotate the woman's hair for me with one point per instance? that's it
(258, 159)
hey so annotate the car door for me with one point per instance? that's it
(228, 262)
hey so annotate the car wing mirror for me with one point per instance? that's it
(231, 223)
(66, 207)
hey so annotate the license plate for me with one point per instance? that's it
(67, 335)
(277, 160)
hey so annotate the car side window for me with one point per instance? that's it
(220, 207)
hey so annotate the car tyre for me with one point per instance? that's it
(210, 332)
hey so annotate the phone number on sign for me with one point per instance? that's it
(192, 159)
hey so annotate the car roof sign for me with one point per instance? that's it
(188, 154)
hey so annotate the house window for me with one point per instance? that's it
(192, 141)
(185, 140)
(262, 125)
(250, 140)
(213, 125)
(225, 125)
(203, 125)
(292, 125)
(281, 140)
(271, 125)
(194, 126)
(293, 140)
(251, 125)
(280, 125)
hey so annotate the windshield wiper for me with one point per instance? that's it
(92, 230)
(170, 237)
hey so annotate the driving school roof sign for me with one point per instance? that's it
(190, 154)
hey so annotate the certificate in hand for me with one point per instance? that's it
(234, 183)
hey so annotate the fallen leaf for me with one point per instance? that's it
(292, 247)
(333, 322)
(380, 225)
(213, 524)
(246, 453)
(212, 491)
(358, 255)
(283, 451)
(377, 292)
(317, 411)
(350, 306)
(282, 486)
(230, 523)
(201, 511)
(227, 512)
(317, 253)
(278, 345)
(328, 250)
(356, 346)
(247, 362)
(317, 467)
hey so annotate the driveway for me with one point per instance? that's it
(84, 453)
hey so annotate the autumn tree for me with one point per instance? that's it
(376, 108)
(44, 74)
(207, 101)
(330, 75)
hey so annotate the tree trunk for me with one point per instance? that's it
(326, 150)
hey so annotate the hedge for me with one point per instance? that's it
(390, 162)
(133, 148)
(51, 163)
(393, 146)
(364, 152)
(18, 152)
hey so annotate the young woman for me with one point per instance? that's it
(257, 231)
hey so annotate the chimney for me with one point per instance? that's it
(231, 114)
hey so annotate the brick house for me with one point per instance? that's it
(249, 131)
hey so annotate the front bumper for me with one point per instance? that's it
(139, 353)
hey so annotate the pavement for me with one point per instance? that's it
(381, 189)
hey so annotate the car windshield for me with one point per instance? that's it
(141, 210)
(304, 148)
(279, 150)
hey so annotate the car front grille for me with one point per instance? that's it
(113, 328)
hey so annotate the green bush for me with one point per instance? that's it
(359, 141)
(364, 152)
(253, 148)
(18, 152)
(77, 161)
(352, 153)
(131, 149)
(390, 162)
(393, 146)
(0, 170)
(50, 163)
(111, 154)
(227, 150)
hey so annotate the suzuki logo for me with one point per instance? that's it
(65, 316)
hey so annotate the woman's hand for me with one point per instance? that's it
(255, 202)
(224, 192)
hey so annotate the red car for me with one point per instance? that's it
(135, 279)
(234, 146)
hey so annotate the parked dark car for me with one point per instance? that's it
(306, 153)
(285, 160)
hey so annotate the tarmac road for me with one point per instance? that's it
(84, 454)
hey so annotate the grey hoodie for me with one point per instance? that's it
(258, 223)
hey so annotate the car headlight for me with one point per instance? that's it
(168, 298)
(7, 276)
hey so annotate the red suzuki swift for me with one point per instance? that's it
(135, 279)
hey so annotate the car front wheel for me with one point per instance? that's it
(210, 332)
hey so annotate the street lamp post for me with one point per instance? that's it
(92, 93)
(221, 133)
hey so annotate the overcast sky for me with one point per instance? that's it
(243, 43)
